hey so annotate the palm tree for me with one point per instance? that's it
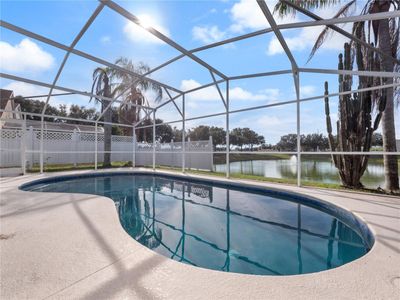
(134, 88)
(102, 86)
(385, 34)
(110, 83)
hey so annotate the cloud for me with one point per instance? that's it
(25, 89)
(307, 91)
(235, 93)
(207, 34)
(105, 39)
(138, 34)
(25, 56)
(306, 37)
(246, 14)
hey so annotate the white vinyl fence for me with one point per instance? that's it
(66, 147)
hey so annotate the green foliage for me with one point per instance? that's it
(36, 106)
(245, 136)
(288, 142)
(164, 132)
(202, 133)
(81, 112)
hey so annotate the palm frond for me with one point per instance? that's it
(283, 9)
(343, 12)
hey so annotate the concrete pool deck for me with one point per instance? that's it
(67, 246)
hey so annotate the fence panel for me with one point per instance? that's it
(66, 147)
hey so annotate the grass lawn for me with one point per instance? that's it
(88, 166)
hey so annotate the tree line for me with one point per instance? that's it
(242, 138)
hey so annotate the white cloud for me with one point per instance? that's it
(139, 35)
(25, 56)
(25, 89)
(246, 14)
(306, 40)
(105, 39)
(235, 93)
(307, 90)
(207, 34)
(306, 37)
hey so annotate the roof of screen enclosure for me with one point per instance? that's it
(269, 19)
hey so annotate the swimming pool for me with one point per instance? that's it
(225, 227)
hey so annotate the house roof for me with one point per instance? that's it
(5, 96)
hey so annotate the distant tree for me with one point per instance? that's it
(245, 136)
(218, 136)
(203, 133)
(236, 138)
(177, 134)
(199, 133)
(81, 112)
(260, 140)
(315, 142)
(164, 132)
(36, 106)
(288, 142)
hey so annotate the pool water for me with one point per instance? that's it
(222, 227)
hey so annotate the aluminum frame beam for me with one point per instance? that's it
(268, 15)
(89, 22)
(173, 101)
(319, 22)
(147, 114)
(47, 85)
(64, 118)
(123, 12)
(44, 95)
(340, 30)
(351, 72)
(169, 101)
(385, 86)
(55, 44)
(218, 89)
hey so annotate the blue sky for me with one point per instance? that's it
(191, 24)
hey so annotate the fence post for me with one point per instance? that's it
(154, 140)
(23, 147)
(210, 146)
(227, 163)
(133, 147)
(32, 142)
(189, 164)
(75, 145)
(171, 146)
(95, 146)
(41, 144)
(183, 132)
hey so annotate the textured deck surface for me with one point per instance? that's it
(73, 246)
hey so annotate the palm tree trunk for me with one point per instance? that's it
(388, 128)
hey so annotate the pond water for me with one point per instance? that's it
(317, 170)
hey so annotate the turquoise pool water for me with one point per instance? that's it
(225, 227)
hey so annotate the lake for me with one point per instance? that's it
(318, 170)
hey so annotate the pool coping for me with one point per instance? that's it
(375, 275)
(342, 214)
